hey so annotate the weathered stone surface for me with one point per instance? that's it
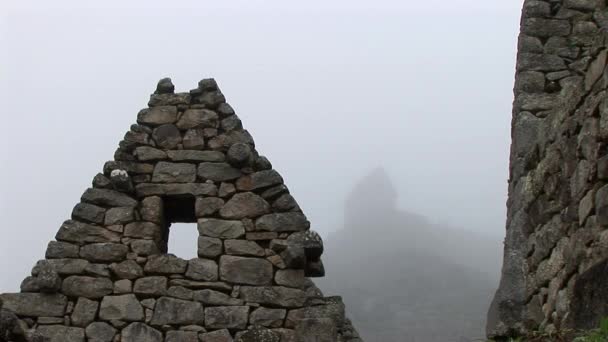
(206, 206)
(177, 311)
(107, 198)
(258, 334)
(138, 332)
(167, 136)
(202, 269)
(165, 172)
(145, 247)
(311, 242)
(88, 213)
(290, 278)
(169, 99)
(194, 139)
(244, 248)
(104, 252)
(88, 287)
(127, 269)
(157, 116)
(197, 285)
(224, 141)
(194, 189)
(147, 153)
(218, 172)
(62, 266)
(152, 209)
(273, 296)
(165, 264)
(285, 202)
(231, 123)
(216, 336)
(123, 286)
(198, 118)
(181, 336)
(250, 271)
(282, 222)
(222, 229)
(270, 318)
(601, 205)
(244, 205)
(226, 190)
(35, 304)
(78, 232)
(124, 308)
(59, 250)
(85, 312)
(333, 311)
(180, 292)
(143, 230)
(119, 215)
(226, 317)
(60, 333)
(211, 297)
(316, 330)
(209, 247)
(100, 331)
(239, 154)
(258, 180)
(196, 156)
(151, 286)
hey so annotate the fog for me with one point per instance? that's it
(330, 91)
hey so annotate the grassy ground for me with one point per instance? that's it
(596, 335)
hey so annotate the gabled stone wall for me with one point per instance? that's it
(556, 247)
(108, 275)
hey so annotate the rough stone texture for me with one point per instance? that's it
(109, 276)
(557, 206)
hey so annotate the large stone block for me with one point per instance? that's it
(270, 318)
(100, 331)
(85, 312)
(258, 180)
(143, 230)
(215, 298)
(139, 332)
(273, 296)
(202, 269)
(167, 136)
(282, 222)
(35, 304)
(61, 333)
(177, 311)
(165, 172)
(333, 311)
(226, 317)
(157, 116)
(165, 264)
(151, 286)
(244, 248)
(128, 269)
(209, 247)
(250, 271)
(119, 215)
(104, 252)
(59, 250)
(196, 156)
(108, 198)
(88, 213)
(222, 335)
(194, 189)
(124, 308)
(81, 233)
(316, 330)
(218, 172)
(222, 229)
(245, 205)
(181, 336)
(198, 118)
(88, 287)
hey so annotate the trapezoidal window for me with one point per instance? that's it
(180, 233)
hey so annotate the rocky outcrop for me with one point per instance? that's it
(109, 276)
(556, 239)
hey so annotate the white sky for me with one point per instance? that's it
(329, 90)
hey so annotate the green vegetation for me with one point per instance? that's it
(596, 335)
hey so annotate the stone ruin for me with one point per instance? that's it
(555, 271)
(108, 275)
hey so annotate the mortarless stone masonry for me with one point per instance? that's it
(555, 271)
(108, 276)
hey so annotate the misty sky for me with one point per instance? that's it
(330, 90)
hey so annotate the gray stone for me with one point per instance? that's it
(215, 298)
(143, 230)
(147, 153)
(85, 312)
(206, 206)
(239, 154)
(157, 116)
(104, 252)
(128, 269)
(333, 311)
(218, 172)
(35, 304)
(244, 248)
(223, 142)
(88, 287)
(152, 209)
(47, 278)
(202, 269)
(282, 222)
(198, 118)
(196, 156)
(316, 330)
(258, 334)
(273, 296)
(225, 109)
(144, 247)
(61, 333)
(62, 266)
(262, 163)
(540, 62)
(139, 332)
(182, 336)
(289, 335)
(310, 240)
(231, 123)
(165, 172)
(177, 311)
(108, 198)
(270, 318)
(250, 271)
(121, 181)
(125, 308)
(123, 286)
(197, 285)
(209, 247)
(97, 270)
(258, 180)
(216, 336)
(100, 331)
(88, 213)
(601, 205)
(194, 139)
(165, 264)
(222, 229)
(596, 69)
(245, 205)
(180, 292)
(100, 181)
(194, 189)
(226, 317)
(544, 28)
(211, 99)
(285, 202)
(78, 232)
(290, 278)
(274, 192)
(59, 250)
(119, 215)
(129, 166)
(151, 286)
(167, 136)
(179, 99)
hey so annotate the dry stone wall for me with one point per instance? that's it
(556, 248)
(108, 276)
